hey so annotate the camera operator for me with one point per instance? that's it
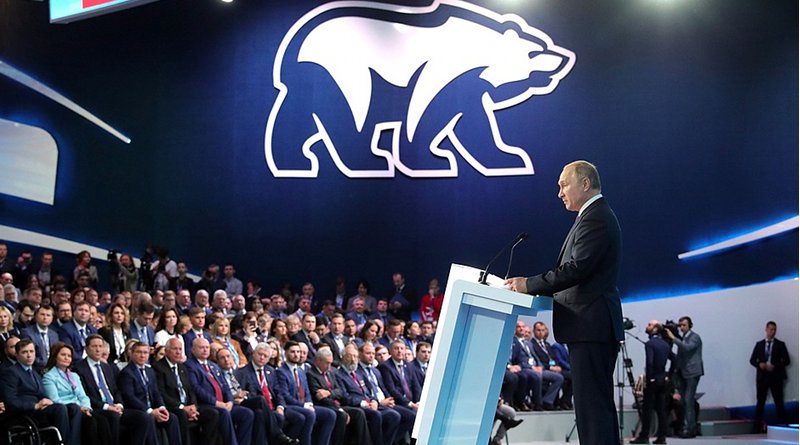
(689, 363)
(657, 350)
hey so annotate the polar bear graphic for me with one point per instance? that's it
(386, 69)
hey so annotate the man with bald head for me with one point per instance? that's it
(212, 390)
(587, 314)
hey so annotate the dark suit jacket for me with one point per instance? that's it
(108, 335)
(353, 391)
(519, 356)
(20, 392)
(248, 379)
(372, 391)
(168, 384)
(416, 368)
(317, 381)
(330, 341)
(32, 332)
(391, 378)
(544, 355)
(288, 386)
(202, 386)
(69, 334)
(151, 333)
(83, 369)
(561, 356)
(586, 306)
(134, 391)
(780, 359)
(190, 336)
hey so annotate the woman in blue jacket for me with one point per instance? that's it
(64, 386)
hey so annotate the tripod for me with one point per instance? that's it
(624, 366)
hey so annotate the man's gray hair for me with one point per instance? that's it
(585, 169)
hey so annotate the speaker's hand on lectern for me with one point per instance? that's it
(518, 284)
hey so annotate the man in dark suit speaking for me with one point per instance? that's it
(587, 314)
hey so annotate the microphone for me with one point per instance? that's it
(522, 237)
(485, 273)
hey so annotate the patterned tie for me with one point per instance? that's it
(181, 390)
(769, 351)
(300, 391)
(264, 388)
(146, 388)
(46, 342)
(215, 384)
(101, 383)
(406, 389)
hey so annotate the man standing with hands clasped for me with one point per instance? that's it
(587, 314)
(770, 357)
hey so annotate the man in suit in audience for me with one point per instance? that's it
(307, 335)
(393, 331)
(180, 399)
(297, 396)
(99, 381)
(43, 335)
(326, 391)
(382, 422)
(399, 379)
(376, 390)
(547, 356)
(139, 389)
(197, 316)
(76, 331)
(23, 392)
(770, 358)
(689, 363)
(141, 328)
(543, 385)
(419, 366)
(336, 338)
(235, 422)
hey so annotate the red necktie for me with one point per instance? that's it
(355, 379)
(300, 391)
(330, 388)
(265, 388)
(215, 384)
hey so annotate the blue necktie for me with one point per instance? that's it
(181, 391)
(101, 382)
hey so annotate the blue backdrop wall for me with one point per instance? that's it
(689, 110)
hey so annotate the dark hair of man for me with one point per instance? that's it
(771, 323)
(394, 322)
(688, 320)
(93, 337)
(196, 310)
(426, 322)
(146, 308)
(421, 344)
(22, 343)
(289, 344)
(336, 315)
(82, 303)
(40, 308)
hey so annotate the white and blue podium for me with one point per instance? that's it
(469, 357)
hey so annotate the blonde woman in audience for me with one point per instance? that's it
(221, 334)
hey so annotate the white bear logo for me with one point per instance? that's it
(419, 50)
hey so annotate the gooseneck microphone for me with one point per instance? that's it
(522, 237)
(485, 273)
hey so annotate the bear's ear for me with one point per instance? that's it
(510, 34)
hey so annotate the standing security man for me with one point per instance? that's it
(770, 357)
(655, 391)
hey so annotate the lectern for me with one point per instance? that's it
(469, 357)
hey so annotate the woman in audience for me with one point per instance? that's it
(116, 331)
(247, 334)
(64, 386)
(412, 332)
(370, 303)
(78, 295)
(7, 328)
(220, 332)
(278, 354)
(368, 334)
(167, 327)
